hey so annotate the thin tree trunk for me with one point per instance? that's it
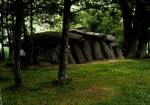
(64, 43)
(148, 48)
(31, 31)
(17, 43)
(9, 37)
(31, 17)
(2, 31)
(25, 32)
(9, 43)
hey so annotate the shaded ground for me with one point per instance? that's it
(119, 82)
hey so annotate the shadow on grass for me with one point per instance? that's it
(4, 79)
(14, 88)
(48, 85)
(56, 83)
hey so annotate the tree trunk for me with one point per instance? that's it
(9, 43)
(64, 43)
(143, 39)
(17, 42)
(130, 38)
(31, 31)
(9, 32)
(143, 18)
(2, 31)
(29, 47)
(148, 48)
(136, 24)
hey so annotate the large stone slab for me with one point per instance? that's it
(70, 57)
(77, 53)
(97, 51)
(107, 50)
(112, 50)
(55, 55)
(87, 51)
(110, 38)
(89, 35)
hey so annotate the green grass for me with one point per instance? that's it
(120, 82)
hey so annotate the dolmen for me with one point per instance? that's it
(83, 47)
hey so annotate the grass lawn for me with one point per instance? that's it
(119, 82)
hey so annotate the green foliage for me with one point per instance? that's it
(98, 16)
(115, 82)
(107, 21)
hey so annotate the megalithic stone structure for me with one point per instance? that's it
(83, 46)
(87, 51)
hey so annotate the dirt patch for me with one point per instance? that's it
(96, 92)
(93, 94)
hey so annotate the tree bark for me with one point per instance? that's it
(130, 38)
(9, 42)
(17, 43)
(64, 43)
(2, 32)
(143, 19)
(31, 31)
